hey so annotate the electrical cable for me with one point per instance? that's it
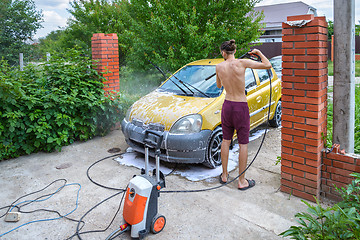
(117, 233)
(98, 184)
(26, 195)
(40, 199)
(46, 219)
(51, 211)
(78, 233)
(172, 171)
(78, 229)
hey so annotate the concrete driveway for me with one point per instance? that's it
(261, 212)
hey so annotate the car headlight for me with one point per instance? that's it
(127, 116)
(188, 124)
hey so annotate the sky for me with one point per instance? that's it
(56, 14)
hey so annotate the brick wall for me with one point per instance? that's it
(336, 170)
(304, 102)
(105, 50)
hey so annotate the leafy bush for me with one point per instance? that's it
(51, 105)
(342, 221)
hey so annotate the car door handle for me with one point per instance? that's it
(258, 99)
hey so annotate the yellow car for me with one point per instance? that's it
(186, 110)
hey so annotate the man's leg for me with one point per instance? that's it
(225, 145)
(243, 156)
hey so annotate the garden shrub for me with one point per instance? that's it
(342, 221)
(54, 104)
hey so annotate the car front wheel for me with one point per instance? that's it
(213, 151)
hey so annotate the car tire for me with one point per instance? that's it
(213, 150)
(276, 121)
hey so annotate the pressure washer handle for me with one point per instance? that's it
(149, 142)
(253, 56)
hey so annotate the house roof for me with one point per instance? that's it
(276, 14)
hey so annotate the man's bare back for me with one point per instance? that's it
(231, 74)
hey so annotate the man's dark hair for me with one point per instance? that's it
(228, 46)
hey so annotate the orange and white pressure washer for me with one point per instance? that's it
(141, 201)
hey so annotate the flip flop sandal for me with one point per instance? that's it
(251, 184)
(220, 179)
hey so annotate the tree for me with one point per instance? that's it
(172, 32)
(330, 29)
(94, 16)
(19, 22)
(53, 42)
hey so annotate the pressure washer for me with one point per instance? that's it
(142, 193)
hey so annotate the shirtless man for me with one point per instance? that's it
(235, 110)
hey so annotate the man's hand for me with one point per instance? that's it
(255, 51)
(265, 62)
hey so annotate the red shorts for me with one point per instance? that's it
(235, 116)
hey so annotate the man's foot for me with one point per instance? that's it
(223, 180)
(250, 182)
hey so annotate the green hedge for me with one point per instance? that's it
(54, 104)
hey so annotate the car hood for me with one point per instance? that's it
(166, 108)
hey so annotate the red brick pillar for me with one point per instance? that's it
(105, 50)
(304, 103)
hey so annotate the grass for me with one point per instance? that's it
(357, 120)
(357, 109)
(331, 68)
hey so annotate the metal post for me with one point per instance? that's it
(21, 61)
(344, 74)
(157, 158)
(146, 160)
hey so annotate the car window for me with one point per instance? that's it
(249, 79)
(276, 64)
(263, 75)
(193, 78)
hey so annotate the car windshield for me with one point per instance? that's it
(191, 81)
